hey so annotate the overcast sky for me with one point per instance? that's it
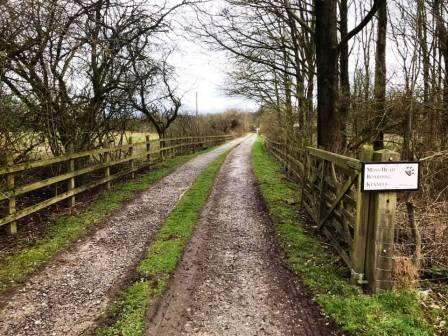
(202, 70)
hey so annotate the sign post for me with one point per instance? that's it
(382, 179)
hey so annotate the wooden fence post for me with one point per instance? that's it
(175, 149)
(361, 223)
(131, 153)
(11, 227)
(71, 181)
(107, 157)
(148, 150)
(379, 258)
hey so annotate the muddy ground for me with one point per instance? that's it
(231, 280)
(68, 295)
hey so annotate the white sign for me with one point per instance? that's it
(390, 176)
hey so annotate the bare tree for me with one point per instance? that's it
(69, 63)
(152, 93)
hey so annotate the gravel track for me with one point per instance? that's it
(68, 295)
(231, 280)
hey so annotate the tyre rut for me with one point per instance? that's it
(231, 280)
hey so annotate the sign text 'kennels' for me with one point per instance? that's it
(390, 176)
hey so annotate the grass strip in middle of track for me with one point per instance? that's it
(162, 258)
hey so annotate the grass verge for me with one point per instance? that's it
(67, 229)
(392, 313)
(162, 257)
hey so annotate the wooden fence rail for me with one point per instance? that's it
(293, 159)
(358, 224)
(133, 156)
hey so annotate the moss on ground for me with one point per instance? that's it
(389, 314)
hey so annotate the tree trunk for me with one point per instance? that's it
(328, 120)
(408, 153)
(288, 106)
(410, 207)
(299, 92)
(422, 33)
(380, 77)
(344, 104)
(442, 35)
(278, 104)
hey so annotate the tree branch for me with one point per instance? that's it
(376, 5)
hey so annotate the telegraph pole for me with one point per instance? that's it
(197, 109)
(197, 114)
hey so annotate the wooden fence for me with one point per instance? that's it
(72, 167)
(359, 225)
(293, 159)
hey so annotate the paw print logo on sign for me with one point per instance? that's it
(410, 171)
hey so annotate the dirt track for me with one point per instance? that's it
(231, 280)
(67, 296)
